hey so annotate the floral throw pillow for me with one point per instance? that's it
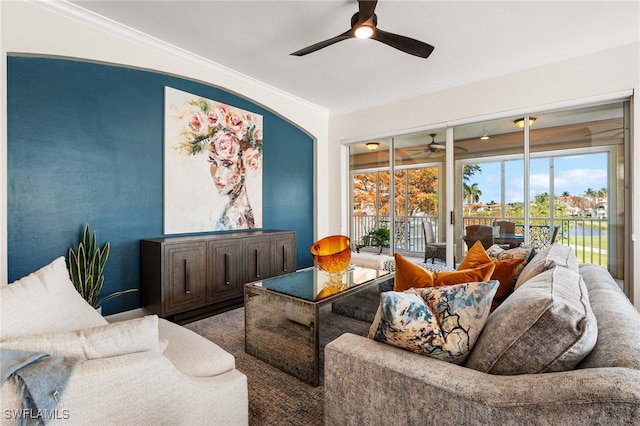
(439, 322)
(522, 252)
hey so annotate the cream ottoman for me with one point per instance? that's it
(372, 260)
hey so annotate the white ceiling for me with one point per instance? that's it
(473, 40)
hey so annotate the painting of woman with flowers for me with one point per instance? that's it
(213, 165)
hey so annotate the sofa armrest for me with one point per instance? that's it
(143, 388)
(367, 382)
(191, 353)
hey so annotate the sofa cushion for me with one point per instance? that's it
(409, 275)
(45, 301)
(544, 326)
(548, 258)
(505, 270)
(441, 322)
(618, 320)
(119, 338)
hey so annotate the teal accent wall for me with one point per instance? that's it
(85, 145)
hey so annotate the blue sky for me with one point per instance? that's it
(573, 173)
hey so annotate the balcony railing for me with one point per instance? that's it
(587, 236)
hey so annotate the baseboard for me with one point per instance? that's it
(184, 317)
(127, 315)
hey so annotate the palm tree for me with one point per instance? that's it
(602, 194)
(472, 194)
(591, 195)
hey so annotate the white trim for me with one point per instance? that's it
(552, 107)
(394, 134)
(539, 109)
(450, 194)
(77, 13)
(526, 170)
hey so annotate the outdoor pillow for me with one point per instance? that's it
(118, 338)
(409, 275)
(45, 301)
(505, 270)
(523, 252)
(440, 322)
(547, 325)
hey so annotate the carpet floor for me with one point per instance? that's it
(275, 397)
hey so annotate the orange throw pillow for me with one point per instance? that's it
(476, 256)
(409, 275)
(504, 271)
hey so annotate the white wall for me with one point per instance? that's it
(598, 75)
(31, 29)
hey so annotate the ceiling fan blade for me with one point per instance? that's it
(344, 36)
(405, 44)
(366, 9)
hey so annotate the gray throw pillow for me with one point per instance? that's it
(550, 257)
(546, 325)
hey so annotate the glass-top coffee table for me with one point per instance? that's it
(282, 316)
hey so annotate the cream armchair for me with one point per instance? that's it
(145, 371)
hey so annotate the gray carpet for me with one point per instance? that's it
(276, 398)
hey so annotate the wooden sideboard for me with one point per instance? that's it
(191, 277)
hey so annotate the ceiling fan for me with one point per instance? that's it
(364, 25)
(436, 150)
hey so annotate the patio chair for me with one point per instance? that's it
(554, 234)
(433, 250)
(482, 233)
(506, 227)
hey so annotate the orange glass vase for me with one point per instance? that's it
(332, 254)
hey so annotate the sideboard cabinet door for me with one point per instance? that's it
(283, 253)
(257, 258)
(225, 269)
(186, 272)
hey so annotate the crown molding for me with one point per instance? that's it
(77, 13)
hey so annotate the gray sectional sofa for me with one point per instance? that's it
(521, 374)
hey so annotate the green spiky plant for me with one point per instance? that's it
(86, 267)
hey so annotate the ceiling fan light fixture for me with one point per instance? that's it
(520, 122)
(364, 25)
(372, 146)
(364, 31)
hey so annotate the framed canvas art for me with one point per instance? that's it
(212, 165)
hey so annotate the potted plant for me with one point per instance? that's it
(86, 267)
(379, 237)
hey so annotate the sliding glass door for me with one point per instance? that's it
(418, 164)
(552, 176)
(370, 181)
(398, 184)
(559, 179)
